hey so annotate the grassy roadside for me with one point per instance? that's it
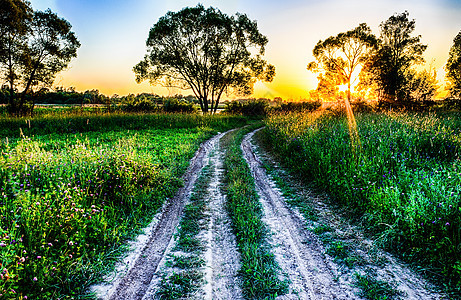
(404, 183)
(69, 201)
(259, 270)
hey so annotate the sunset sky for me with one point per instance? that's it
(113, 35)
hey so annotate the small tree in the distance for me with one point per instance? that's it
(337, 57)
(207, 51)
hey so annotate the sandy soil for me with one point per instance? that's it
(297, 250)
(385, 265)
(222, 257)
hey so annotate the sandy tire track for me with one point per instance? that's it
(383, 264)
(222, 257)
(297, 250)
(138, 279)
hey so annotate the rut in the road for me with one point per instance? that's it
(142, 279)
(297, 250)
(222, 257)
(372, 260)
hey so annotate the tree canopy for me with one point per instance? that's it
(34, 47)
(390, 67)
(453, 67)
(207, 51)
(337, 57)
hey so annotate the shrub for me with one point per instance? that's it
(174, 105)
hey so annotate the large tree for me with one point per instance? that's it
(15, 18)
(453, 67)
(35, 46)
(207, 51)
(390, 67)
(337, 57)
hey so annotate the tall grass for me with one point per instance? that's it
(68, 201)
(405, 182)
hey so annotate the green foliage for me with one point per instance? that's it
(304, 106)
(34, 47)
(69, 200)
(13, 128)
(338, 56)
(259, 269)
(207, 51)
(174, 105)
(423, 86)
(138, 104)
(453, 67)
(247, 108)
(404, 182)
(261, 107)
(390, 67)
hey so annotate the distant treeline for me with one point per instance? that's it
(71, 96)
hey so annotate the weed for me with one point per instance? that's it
(322, 228)
(375, 289)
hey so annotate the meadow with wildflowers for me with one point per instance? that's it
(73, 189)
(402, 179)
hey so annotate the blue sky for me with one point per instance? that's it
(113, 35)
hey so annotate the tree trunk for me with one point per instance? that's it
(216, 106)
(349, 91)
(205, 106)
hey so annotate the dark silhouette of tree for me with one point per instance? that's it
(35, 46)
(15, 18)
(453, 67)
(207, 51)
(338, 56)
(390, 67)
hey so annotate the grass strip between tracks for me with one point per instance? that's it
(259, 270)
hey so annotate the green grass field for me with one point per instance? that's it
(73, 189)
(403, 179)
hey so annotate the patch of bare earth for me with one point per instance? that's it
(372, 259)
(139, 275)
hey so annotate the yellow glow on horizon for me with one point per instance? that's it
(343, 87)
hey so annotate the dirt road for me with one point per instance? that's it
(298, 251)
